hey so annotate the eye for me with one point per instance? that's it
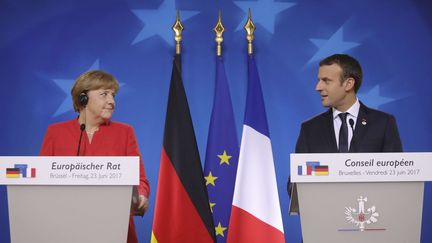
(326, 80)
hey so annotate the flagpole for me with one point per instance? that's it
(219, 29)
(178, 29)
(250, 28)
(182, 211)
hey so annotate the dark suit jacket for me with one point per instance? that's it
(375, 132)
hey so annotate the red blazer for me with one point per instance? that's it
(112, 139)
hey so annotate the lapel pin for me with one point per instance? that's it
(364, 122)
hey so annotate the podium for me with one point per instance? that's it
(359, 197)
(69, 199)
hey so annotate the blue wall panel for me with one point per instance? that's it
(46, 44)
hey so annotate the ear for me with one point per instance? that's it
(349, 84)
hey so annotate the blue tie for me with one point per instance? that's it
(343, 134)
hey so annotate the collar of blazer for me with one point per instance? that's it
(330, 132)
(360, 128)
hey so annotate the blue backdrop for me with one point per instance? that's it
(46, 44)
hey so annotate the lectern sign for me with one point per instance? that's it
(65, 170)
(361, 167)
(359, 197)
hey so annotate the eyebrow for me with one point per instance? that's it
(325, 79)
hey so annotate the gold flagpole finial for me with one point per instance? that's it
(250, 28)
(178, 28)
(219, 29)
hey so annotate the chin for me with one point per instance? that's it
(107, 117)
(325, 104)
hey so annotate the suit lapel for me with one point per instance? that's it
(360, 128)
(330, 133)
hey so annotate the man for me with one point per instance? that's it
(348, 126)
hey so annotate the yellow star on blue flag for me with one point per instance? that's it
(224, 158)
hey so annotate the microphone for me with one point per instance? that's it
(351, 122)
(82, 128)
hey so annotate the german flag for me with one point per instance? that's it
(321, 170)
(13, 172)
(182, 210)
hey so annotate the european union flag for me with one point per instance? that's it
(221, 155)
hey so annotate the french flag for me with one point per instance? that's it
(255, 214)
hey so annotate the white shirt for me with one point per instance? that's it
(352, 113)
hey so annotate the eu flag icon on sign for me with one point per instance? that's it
(20, 169)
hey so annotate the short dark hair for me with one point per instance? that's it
(350, 68)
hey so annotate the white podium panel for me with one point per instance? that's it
(333, 212)
(69, 214)
(69, 199)
(360, 197)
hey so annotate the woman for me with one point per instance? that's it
(93, 98)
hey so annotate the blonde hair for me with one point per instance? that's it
(91, 80)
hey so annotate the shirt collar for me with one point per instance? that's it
(352, 111)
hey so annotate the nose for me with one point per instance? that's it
(318, 86)
(111, 100)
